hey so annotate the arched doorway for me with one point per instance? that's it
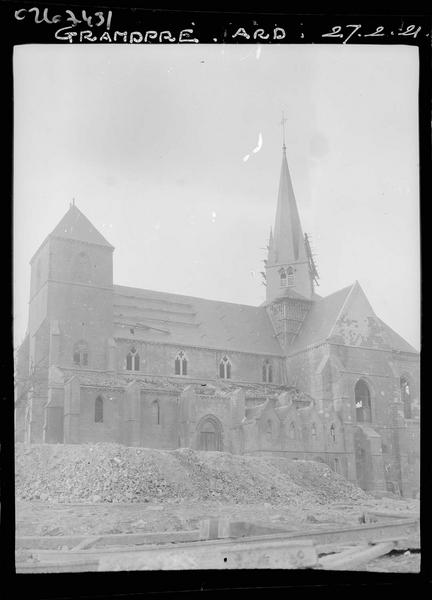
(209, 434)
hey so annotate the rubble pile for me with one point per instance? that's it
(327, 485)
(115, 473)
(240, 479)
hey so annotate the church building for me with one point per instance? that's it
(300, 376)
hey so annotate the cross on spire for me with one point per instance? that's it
(283, 121)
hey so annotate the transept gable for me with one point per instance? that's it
(358, 325)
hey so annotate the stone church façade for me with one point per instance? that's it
(301, 376)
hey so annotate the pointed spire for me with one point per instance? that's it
(288, 235)
(270, 253)
(283, 121)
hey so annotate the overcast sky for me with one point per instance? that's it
(160, 147)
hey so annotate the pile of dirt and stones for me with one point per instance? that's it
(114, 473)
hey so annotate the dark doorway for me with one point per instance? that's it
(209, 435)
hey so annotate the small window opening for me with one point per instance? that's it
(290, 277)
(156, 412)
(80, 354)
(267, 372)
(98, 410)
(132, 360)
(333, 433)
(225, 368)
(180, 364)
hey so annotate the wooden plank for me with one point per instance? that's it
(71, 567)
(224, 554)
(217, 528)
(348, 561)
(112, 539)
(87, 543)
(369, 533)
(332, 548)
(325, 560)
(221, 554)
(393, 515)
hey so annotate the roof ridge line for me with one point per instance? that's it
(186, 296)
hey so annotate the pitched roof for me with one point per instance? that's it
(347, 317)
(396, 341)
(190, 321)
(320, 320)
(76, 226)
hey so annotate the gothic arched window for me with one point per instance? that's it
(180, 364)
(80, 354)
(290, 276)
(98, 410)
(82, 268)
(292, 431)
(362, 402)
(333, 433)
(267, 371)
(406, 397)
(283, 278)
(155, 412)
(225, 368)
(132, 360)
(313, 430)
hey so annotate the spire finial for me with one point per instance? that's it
(283, 121)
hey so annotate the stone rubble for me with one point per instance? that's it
(105, 472)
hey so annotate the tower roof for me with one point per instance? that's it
(76, 226)
(288, 242)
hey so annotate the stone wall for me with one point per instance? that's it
(203, 363)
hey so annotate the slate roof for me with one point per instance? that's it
(76, 226)
(320, 320)
(290, 293)
(288, 241)
(190, 321)
(397, 342)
